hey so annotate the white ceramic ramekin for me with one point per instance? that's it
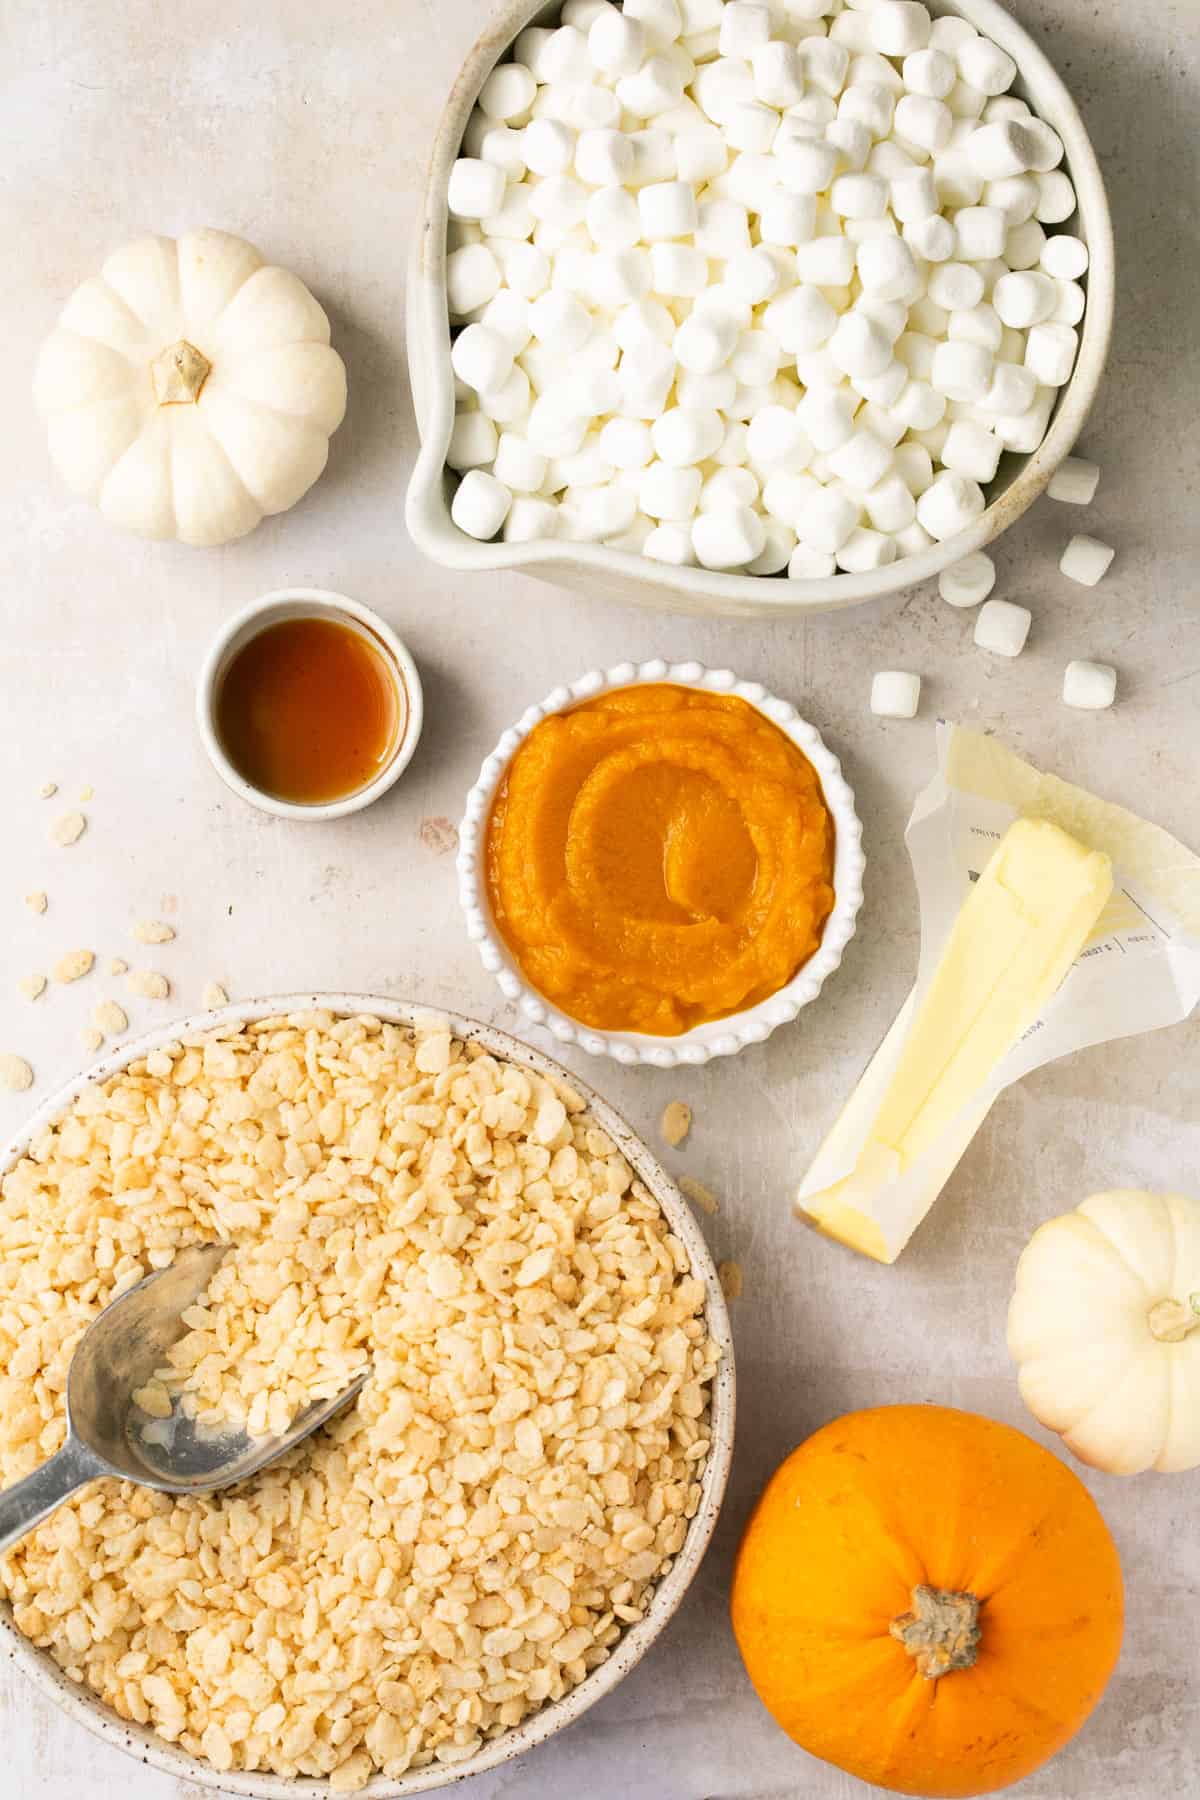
(81, 1705)
(720, 1037)
(307, 603)
(619, 574)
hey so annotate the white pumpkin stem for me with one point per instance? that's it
(179, 372)
(1171, 1320)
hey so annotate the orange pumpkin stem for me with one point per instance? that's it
(941, 1633)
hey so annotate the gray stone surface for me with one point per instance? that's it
(302, 124)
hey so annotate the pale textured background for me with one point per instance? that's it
(303, 125)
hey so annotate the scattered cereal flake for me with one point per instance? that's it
(118, 966)
(86, 793)
(153, 931)
(676, 1122)
(730, 1276)
(153, 1399)
(214, 995)
(91, 1038)
(68, 829)
(36, 902)
(149, 985)
(110, 1018)
(74, 964)
(48, 790)
(32, 985)
(699, 1195)
(15, 1073)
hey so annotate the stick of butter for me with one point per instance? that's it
(928, 1088)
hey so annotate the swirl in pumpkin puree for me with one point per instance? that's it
(658, 857)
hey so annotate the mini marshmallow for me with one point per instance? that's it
(1013, 390)
(859, 346)
(861, 462)
(919, 406)
(853, 143)
(955, 286)
(530, 519)
(529, 49)
(961, 371)
(853, 29)
(806, 165)
(859, 196)
(899, 27)
(949, 33)
(704, 342)
(508, 314)
(1070, 304)
(1004, 147)
(472, 442)
(869, 66)
(1002, 627)
(883, 389)
(825, 61)
(626, 443)
(481, 358)
(778, 545)
(985, 66)
(678, 270)
(806, 564)
(667, 492)
(480, 504)
(914, 465)
(668, 210)
(616, 43)
(882, 424)
(1075, 480)
(474, 189)
(980, 233)
(949, 504)
(864, 550)
(655, 88)
(887, 269)
(720, 85)
(646, 374)
(472, 277)
(895, 694)
(670, 544)
(1056, 197)
(826, 262)
(613, 218)
(754, 274)
(686, 435)
(978, 325)
(619, 276)
(756, 359)
(969, 582)
(659, 19)
(559, 200)
(931, 238)
(1015, 195)
(1025, 431)
(1065, 257)
(1024, 299)
(1050, 353)
(553, 430)
(602, 158)
(507, 92)
(827, 521)
(913, 195)
(518, 465)
(930, 72)
(744, 27)
(751, 125)
(594, 514)
(871, 103)
(826, 416)
(700, 156)
(1089, 686)
(800, 319)
(1086, 560)
(1024, 245)
(785, 494)
(506, 149)
(778, 73)
(966, 102)
(722, 228)
(924, 121)
(560, 320)
(890, 504)
(591, 392)
(733, 454)
(971, 449)
(563, 58)
(775, 440)
(728, 537)
(704, 391)
(513, 219)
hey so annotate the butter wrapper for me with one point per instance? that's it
(1139, 969)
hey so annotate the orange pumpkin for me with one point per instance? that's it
(927, 1599)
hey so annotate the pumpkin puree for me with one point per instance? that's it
(658, 857)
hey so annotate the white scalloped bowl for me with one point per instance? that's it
(608, 574)
(718, 1037)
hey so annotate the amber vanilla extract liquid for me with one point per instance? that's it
(310, 711)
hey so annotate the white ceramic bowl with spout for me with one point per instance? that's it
(619, 574)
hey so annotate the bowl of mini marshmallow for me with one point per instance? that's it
(750, 306)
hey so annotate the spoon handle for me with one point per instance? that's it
(26, 1503)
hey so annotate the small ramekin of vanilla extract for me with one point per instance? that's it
(308, 704)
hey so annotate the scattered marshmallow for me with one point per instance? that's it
(895, 694)
(1089, 686)
(968, 582)
(1002, 627)
(1086, 560)
(1075, 481)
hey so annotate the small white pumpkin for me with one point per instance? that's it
(1105, 1328)
(190, 388)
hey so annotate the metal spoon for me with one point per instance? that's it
(107, 1435)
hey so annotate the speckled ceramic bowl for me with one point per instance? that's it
(719, 1037)
(80, 1704)
(619, 574)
